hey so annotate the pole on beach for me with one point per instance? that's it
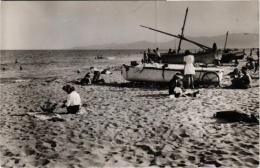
(182, 30)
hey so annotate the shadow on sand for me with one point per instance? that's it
(161, 95)
(235, 116)
(141, 85)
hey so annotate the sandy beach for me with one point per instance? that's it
(123, 125)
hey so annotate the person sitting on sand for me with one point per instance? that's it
(236, 73)
(180, 92)
(173, 82)
(243, 82)
(86, 80)
(73, 101)
(95, 74)
(92, 77)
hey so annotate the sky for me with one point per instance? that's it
(73, 24)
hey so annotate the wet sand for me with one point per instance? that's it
(124, 125)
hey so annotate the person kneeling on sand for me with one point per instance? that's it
(73, 101)
(243, 82)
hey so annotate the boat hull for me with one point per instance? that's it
(159, 73)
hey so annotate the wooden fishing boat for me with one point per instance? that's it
(229, 55)
(206, 56)
(207, 76)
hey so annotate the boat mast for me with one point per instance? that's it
(226, 41)
(179, 36)
(182, 31)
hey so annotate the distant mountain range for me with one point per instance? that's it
(235, 40)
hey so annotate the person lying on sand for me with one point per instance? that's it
(242, 82)
(73, 102)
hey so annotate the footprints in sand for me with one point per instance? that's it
(124, 129)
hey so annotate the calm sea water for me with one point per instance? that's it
(38, 63)
(59, 56)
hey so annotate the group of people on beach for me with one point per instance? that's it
(241, 79)
(92, 77)
(181, 85)
(151, 57)
(73, 101)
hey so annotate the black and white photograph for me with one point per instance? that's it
(102, 84)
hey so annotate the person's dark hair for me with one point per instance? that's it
(214, 46)
(244, 69)
(68, 88)
(72, 88)
(91, 68)
(236, 70)
(187, 52)
(179, 84)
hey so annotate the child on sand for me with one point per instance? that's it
(73, 101)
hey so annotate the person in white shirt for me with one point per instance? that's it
(189, 69)
(73, 101)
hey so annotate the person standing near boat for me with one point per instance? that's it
(145, 58)
(189, 69)
(158, 55)
(218, 57)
